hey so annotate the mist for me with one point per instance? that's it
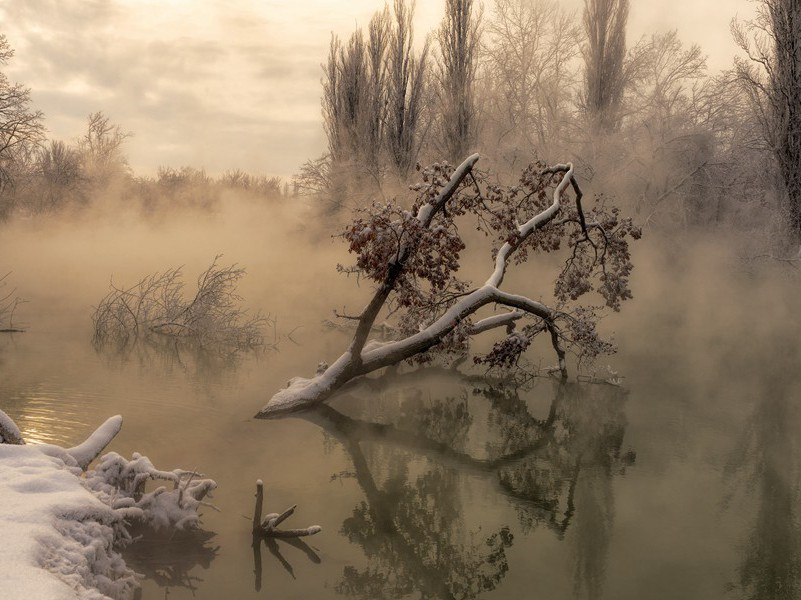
(520, 293)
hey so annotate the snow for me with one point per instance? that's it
(426, 212)
(120, 484)
(300, 391)
(9, 432)
(531, 225)
(494, 321)
(93, 446)
(57, 537)
(61, 529)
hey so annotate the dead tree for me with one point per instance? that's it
(157, 307)
(268, 526)
(413, 257)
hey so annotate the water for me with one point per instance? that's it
(682, 484)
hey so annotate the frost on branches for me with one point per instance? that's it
(412, 255)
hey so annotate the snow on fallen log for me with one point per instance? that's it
(413, 260)
(9, 432)
(62, 528)
(86, 452)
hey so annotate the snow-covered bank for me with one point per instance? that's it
(60, 530)
(57, 539)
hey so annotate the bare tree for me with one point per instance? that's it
(670, 124)
(413, 258)
(459, 38)
(314, 176)
(527, 75)
(772, 75)
(354, 104)
(344, 99)
(101, 150)
(374, 117)
(59, 177)
(604, 58)
(21, 128)
(405, 91)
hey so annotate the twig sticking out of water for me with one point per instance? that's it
(267, 527)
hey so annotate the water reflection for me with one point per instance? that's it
(168, 558)
(273, 545)
(169, 355)
(566, 477)
(766, 465)
(415, 456)
(45, 412)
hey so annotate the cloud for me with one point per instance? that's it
(214, 85)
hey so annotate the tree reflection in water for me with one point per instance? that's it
(412, 525)
(766, 463)
(168, 355)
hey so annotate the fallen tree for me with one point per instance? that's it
(413, 257)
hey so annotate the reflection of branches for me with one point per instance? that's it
(766, 461)
(167, 559)
(411, 523)
(9, 301)
(275, 549)
(168, 355)
(410, 532)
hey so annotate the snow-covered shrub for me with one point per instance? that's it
(120, 484)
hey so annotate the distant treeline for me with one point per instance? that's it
(526, 79)
(519, 80)
(53, 175)
(38, 175)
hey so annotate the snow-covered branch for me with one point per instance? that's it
(89, 450)
(9, 432)
(425, 216)
(413, 257)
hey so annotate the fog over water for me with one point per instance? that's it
(669, 469)
(669, 486)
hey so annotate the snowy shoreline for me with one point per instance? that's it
(55, 543)
(62, 528)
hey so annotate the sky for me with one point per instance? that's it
(224, 84)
